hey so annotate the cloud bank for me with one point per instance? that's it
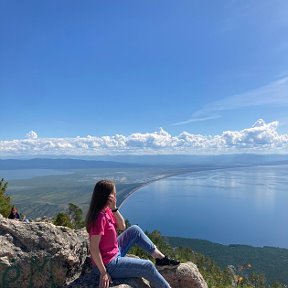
(261, 137)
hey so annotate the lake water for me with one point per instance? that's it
(228, 206)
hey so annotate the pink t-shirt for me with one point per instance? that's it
(105, 225)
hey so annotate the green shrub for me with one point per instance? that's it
(72, 217)
(62, 219)
(5, 204)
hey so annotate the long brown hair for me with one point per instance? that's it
(99, 200)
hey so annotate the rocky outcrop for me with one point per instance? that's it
(186, 275)
(40, 254)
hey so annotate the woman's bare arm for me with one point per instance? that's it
(105, 278)
(119, 220)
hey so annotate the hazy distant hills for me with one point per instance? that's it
(13, 164)
(140, 161)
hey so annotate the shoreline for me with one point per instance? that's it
(232, 245)
(192, 171)
(134, 190)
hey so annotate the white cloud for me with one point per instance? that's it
(198, 117)
(275, 93)
(32, 135)
(261, 137)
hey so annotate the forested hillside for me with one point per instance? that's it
(271, 261)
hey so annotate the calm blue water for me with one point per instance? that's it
(229, 206)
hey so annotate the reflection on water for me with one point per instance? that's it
(240, 205)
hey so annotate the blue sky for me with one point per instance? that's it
(107, 68)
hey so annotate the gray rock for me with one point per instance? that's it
(186, 275)
(39, 254)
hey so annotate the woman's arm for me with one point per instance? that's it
(105, 278)
(119, 218)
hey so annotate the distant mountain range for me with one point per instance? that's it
(15, 164)
(140, 161)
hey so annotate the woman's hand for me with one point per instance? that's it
(104, 280)
(112, 201)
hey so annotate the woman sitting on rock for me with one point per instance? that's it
(108, 250)
(14, 214)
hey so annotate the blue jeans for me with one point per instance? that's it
(126, 267)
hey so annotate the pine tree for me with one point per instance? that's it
(62, 219)
(72, 218)
(76, 216)
(5, 205)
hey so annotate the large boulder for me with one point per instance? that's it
(40, 254)
(186, 275)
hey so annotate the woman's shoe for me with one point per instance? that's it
(166, 263)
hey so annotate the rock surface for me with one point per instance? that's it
(186, 275)
(39, 254)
